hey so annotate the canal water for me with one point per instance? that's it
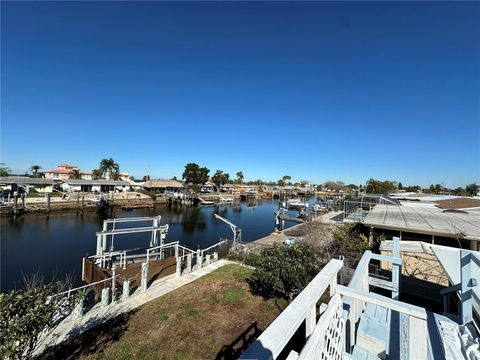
(55, 245)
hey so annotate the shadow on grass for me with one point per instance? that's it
(91, 341)
(240, 344)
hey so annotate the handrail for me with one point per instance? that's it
(383, 301)
(274, 339)
(217, 244)
(132, 219)
(131, 230)
(84, 286)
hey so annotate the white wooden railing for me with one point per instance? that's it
(275, 338)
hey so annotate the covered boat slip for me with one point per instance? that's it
(359, 324)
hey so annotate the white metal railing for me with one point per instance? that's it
(274, 339)
(70, 291)
(161, 248)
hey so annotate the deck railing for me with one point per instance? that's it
(303, 308)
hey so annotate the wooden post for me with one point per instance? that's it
(189, 263)
(48, 202)
(15, 204)
(105, 296)
(126, 289)
(83, 201)
(466, 292)
(114, 275)
(144, 279)
(396, 268)
(311, 321)
(199, 259)
(23, 202)
(79, 309)
(179, 266)
(78, 201)
(99, 245)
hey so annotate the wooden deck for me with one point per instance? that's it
(156, 270)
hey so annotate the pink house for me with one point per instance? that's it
(62, 172)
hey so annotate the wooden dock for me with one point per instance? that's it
(157, 269)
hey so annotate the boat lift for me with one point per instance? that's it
(155, 230)
(237, 232)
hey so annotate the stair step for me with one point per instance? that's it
(359, 353)
(373, 332)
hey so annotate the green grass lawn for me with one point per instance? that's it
(202, 320)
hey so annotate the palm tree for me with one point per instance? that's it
(75, 174)
(115, 176)
(34, 169)
(96, 174)
(108, 166)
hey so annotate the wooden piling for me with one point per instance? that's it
(48, 202)
(83, 201)
(15, 204)
(78, 201)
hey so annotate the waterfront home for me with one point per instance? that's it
(25, 184)
(209, 187)
(229, 188)
(95, 186)
(63, 171)
(160, 186)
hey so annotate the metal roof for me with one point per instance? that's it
(96, 182)
(160, 183)
(25, 180)
(425, 220)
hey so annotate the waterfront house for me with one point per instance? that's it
(209, 187)
(25, 184)
(63, 171)
(95, 186)
(160, 186)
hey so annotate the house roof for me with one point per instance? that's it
(77, 182)
(430, 220)
(25, 180)
(159, 183)
(458, 203)
(68, 165)
(67, 171)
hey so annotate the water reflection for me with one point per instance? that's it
(56, 243)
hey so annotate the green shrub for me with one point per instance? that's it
(283, 271)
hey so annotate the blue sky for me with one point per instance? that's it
(316, 90)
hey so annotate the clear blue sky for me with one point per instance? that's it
(315, 90)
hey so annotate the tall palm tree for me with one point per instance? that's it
(34, 169)
(115, 176)
(108, 166)
(96, 174)
(75, 174)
